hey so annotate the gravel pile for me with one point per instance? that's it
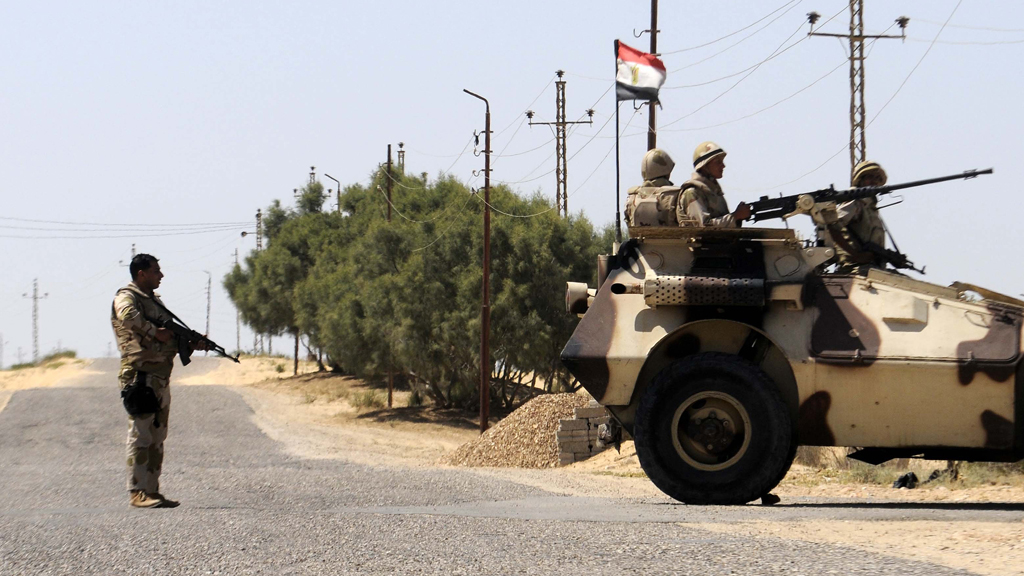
(524, 439)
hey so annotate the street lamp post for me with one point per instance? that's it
(337, 187)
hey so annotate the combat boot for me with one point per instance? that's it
(140, 499)
(167, 502)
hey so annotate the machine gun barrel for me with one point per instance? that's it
(782, 207)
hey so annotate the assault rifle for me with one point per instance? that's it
(187, 337)
(785, 206)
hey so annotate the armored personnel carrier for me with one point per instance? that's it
(722, 350)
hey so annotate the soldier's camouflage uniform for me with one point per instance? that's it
(858, 222)
(702, 203)
(656, 199)
(142, 352)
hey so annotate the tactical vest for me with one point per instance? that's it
(712, 200)
(655, 206)
(138, 350)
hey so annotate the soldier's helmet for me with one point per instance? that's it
(868, 167)
(704, 153)
(656, 164)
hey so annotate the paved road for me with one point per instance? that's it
(250, 508)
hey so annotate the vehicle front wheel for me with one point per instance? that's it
(713, 429)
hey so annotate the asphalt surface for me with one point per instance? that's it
(250, 508)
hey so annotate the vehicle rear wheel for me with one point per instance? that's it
(713, 429)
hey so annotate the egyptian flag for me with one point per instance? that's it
(639, 75)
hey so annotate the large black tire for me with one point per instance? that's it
(713, 429)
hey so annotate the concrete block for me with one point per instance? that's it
(565, 425)
(568, 435)
(595, 422)
(581, 456)
(589, 412)
(574, 446)
(565, 459)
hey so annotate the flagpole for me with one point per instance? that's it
(618, 217)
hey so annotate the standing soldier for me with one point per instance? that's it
(147, 354)
(702, 202)
(859, 227)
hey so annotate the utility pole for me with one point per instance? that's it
(561, 160)
(401, 157)
(133, 250)
(312, 174)
(856, 37)
(35, 314)
(209, 284)
(652, 134)
(485, 311)
(389, 182)
(238, 319)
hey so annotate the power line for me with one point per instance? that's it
(966, 27)
(735, 44)
(133, 224)
(914, 69)
(731, 34)
(737, 83)
(84, 231)
(578, 188)
(108, 236)
(752, 114)
(966, 42)
(458, 216)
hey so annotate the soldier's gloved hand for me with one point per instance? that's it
(742, 211)
(201, 345)
(164, 335)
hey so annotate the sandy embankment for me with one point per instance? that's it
(52, 374)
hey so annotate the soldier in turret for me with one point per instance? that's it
(859, 226)
(653, 202)
(701, 201)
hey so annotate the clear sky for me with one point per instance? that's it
(150, 113)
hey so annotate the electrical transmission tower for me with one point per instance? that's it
(856, 37)
(35, 317)
(561, 160)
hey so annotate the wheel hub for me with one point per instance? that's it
(713, 433)
(711, 430)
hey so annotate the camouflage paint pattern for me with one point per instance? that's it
(868, 360)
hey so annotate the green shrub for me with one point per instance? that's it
(58, 354)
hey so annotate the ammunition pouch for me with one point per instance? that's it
(138, 398)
